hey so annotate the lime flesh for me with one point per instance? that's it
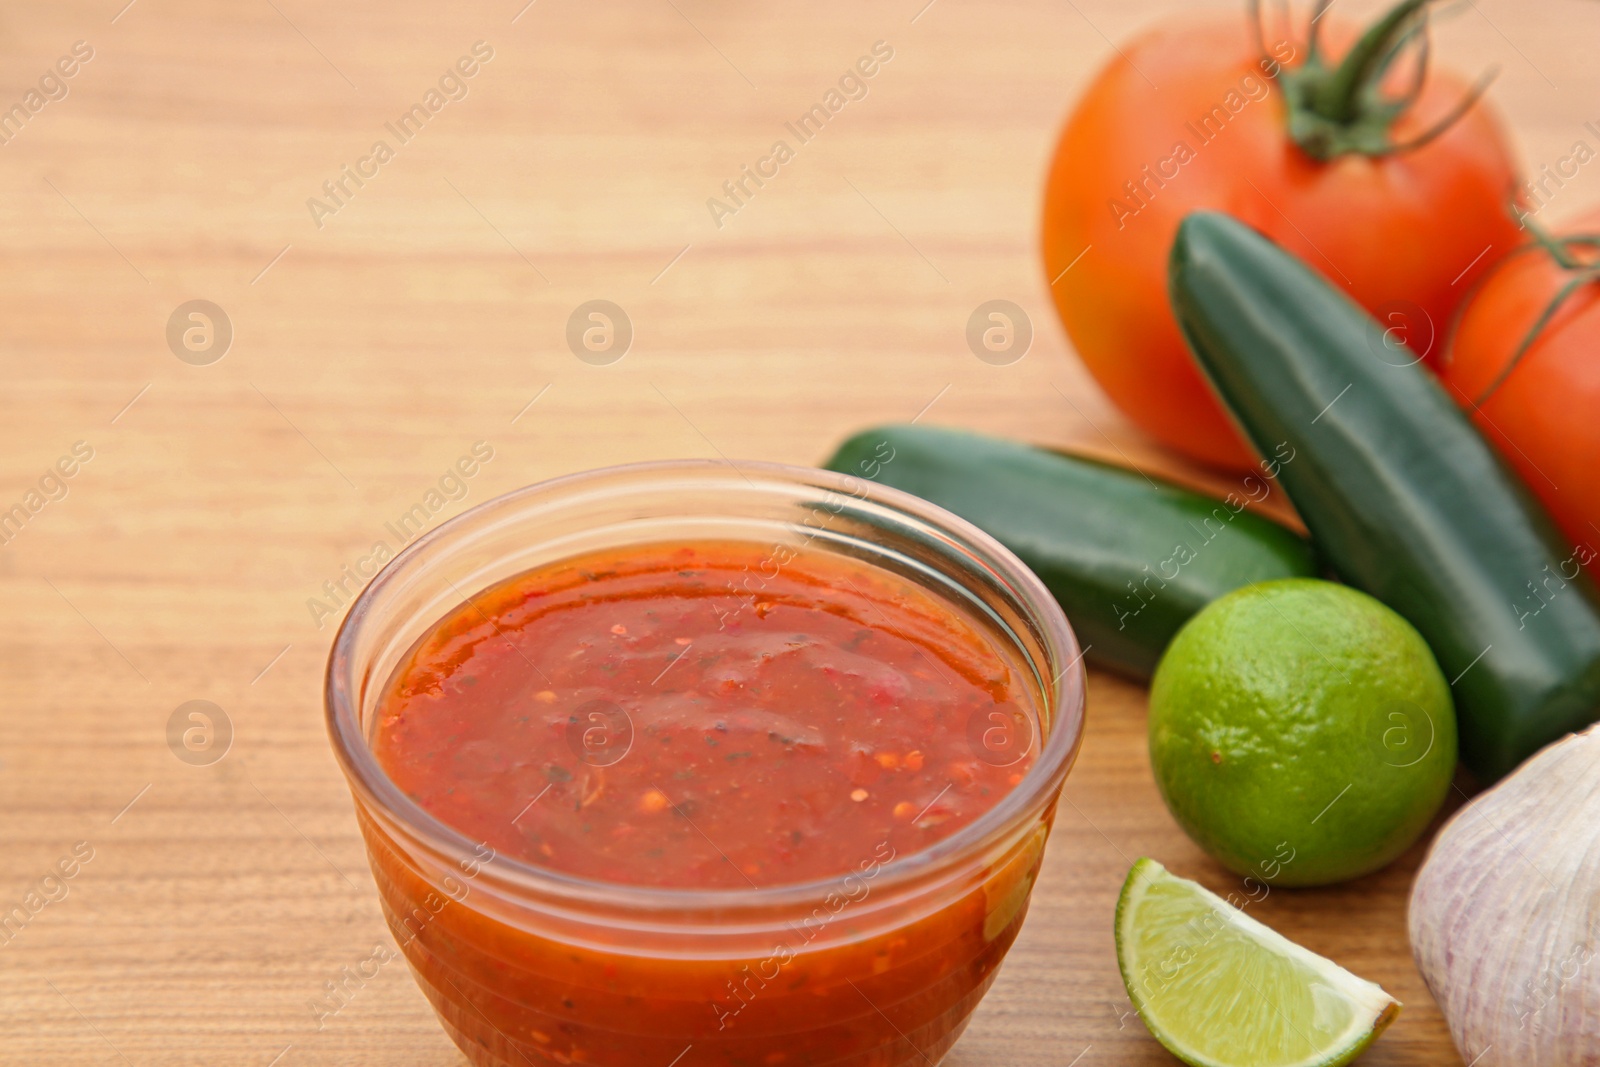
(1219, 989)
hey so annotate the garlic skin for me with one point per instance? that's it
(1505, 914)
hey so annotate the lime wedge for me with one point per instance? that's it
(1219, 989)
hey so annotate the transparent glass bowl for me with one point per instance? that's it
(881, 967)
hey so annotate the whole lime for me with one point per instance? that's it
(1301, 732)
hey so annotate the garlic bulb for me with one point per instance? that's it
(1505, 915)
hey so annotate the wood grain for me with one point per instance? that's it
(425, 315)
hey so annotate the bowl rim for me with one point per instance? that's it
(1039, 788)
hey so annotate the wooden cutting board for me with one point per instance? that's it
(423, 306)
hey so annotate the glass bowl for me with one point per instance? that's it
(881, 966)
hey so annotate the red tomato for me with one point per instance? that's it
(1194, 116)
(1542, 410)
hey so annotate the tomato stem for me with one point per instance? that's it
(1453, 116)
(1340, 107)
(1258, 21)
(1559, 249)
(1314, 29)
(1341, 97)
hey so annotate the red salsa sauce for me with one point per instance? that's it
(699, 715)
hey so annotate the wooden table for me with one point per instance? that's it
(425, 309)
